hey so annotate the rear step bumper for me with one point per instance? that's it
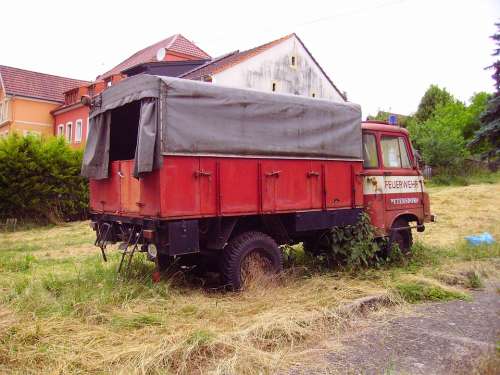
(176, 237)
(145, 222)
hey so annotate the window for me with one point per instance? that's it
(78, 131)
(60, 130)
(370, 156)
(4, 110)
(273, 87)
(405, 160)
(69, 132)
(313, 94)
(293, 61)
(394, 152)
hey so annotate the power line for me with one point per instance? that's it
(349, 12)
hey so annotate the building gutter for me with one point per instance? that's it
(66, 108)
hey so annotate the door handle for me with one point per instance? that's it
(202, 174)
(120, 173)
(312, 174)
(273, 174)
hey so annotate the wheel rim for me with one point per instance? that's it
(255, 267)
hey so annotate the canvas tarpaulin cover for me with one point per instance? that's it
(148, 149)
(205, 119)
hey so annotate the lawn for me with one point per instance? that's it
(64, 311)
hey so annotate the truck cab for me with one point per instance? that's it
(393, 186)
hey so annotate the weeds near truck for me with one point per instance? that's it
(355, 245)
(63, 310)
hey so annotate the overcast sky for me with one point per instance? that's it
(383, 53)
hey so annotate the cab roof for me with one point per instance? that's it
(382, 126)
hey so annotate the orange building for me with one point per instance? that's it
(71, 118)
(27, 99)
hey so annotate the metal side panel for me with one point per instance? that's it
(183, 237)
(315, 220)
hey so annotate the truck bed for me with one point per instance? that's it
(205, 186)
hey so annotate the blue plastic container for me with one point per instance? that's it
(480, 239)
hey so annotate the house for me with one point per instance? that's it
(173, 56)
(174, 48)
(284, 65)
(27, 98)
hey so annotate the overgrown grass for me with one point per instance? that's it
(464, 179)
(63, 310)
(414, 292)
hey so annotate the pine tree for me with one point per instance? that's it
(489, 132)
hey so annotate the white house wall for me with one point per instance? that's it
(274, 65)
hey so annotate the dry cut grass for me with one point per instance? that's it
(63, 311)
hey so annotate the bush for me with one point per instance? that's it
(355, 244)
(40, 180)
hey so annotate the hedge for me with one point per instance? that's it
(40, 180)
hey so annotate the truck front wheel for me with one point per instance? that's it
(402, 237)
(248, 257)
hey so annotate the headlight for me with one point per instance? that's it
(152, 251)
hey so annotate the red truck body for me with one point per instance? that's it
(200, 187)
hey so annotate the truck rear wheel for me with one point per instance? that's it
(248, 257)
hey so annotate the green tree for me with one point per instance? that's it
(433, 98)
(478, 104)
(440, 138)
(487, 137)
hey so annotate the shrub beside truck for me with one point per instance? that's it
(224, 176)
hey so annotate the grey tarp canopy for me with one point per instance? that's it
(192, 117)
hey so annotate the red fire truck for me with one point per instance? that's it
(192, 170)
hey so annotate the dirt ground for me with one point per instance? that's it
(432, 339)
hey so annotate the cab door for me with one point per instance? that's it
(402, 182)
(373, 179)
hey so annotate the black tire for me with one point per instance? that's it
(239, 250)
(403, 238)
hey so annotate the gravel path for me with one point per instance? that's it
(437, 338)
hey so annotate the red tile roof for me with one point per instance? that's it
(224, 62)
(174, 43)
(36, 85)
